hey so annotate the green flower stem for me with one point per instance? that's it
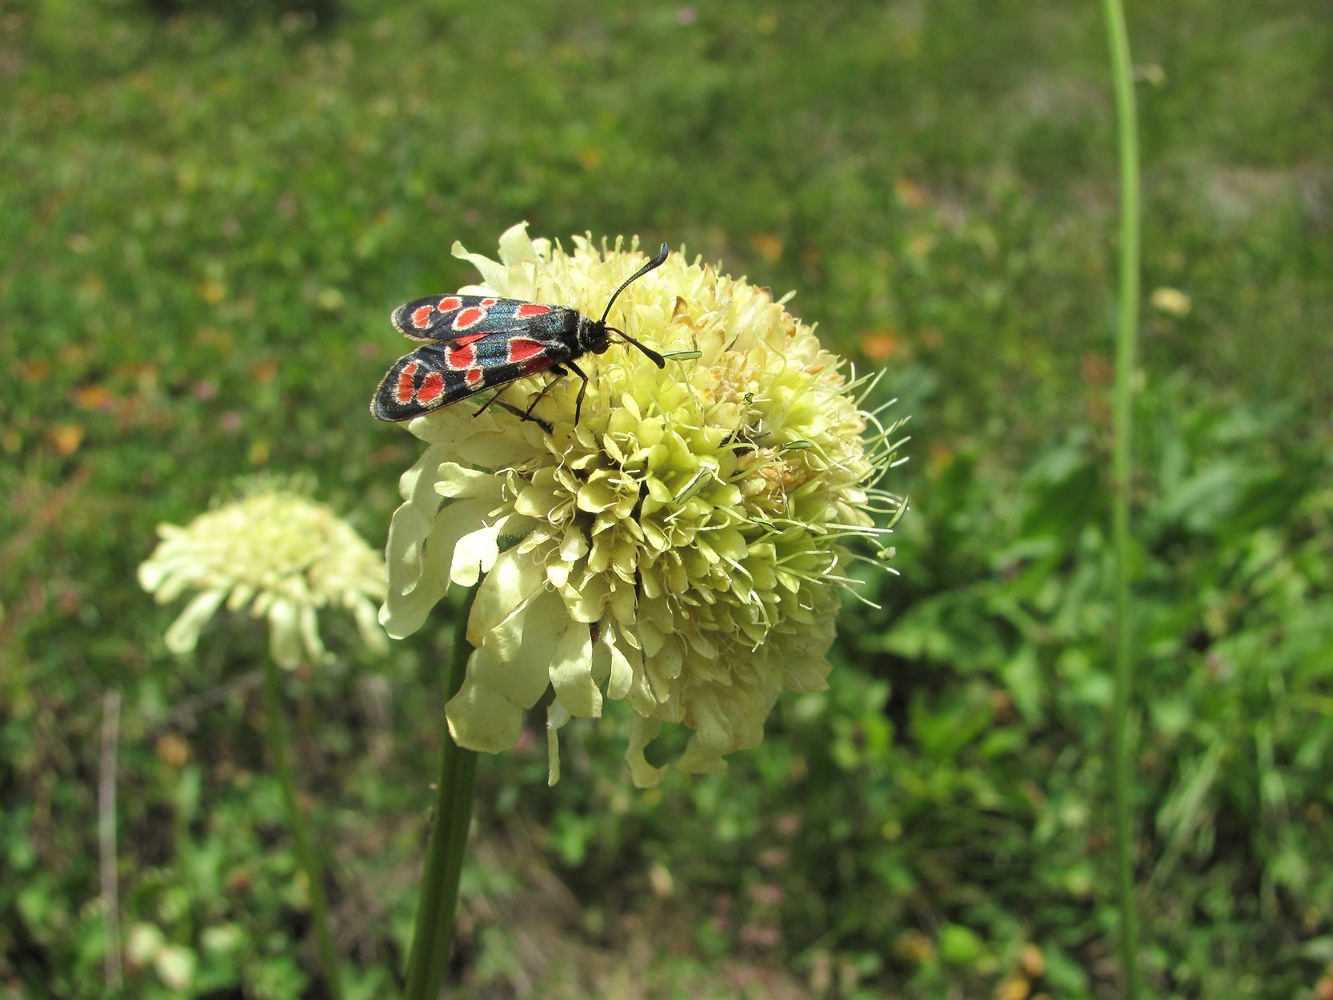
(1126, 337)
(438, 902)
(279, 750)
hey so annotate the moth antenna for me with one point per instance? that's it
(652, 355)
(653, 264)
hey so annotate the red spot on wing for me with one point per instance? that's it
(421, 317)
(487, 303)
(449, 303)
(521, 349)
(538, 364)
(432, 388)
(470, 338)
(469, 317)
(475, 378)
(461, 356)
(407, 386)
(531, 309)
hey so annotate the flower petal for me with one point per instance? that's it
(184, 631)
(508, 587)
(487, 712)
(643, 731)
(480, 717)
(571, 671)
(284, 634)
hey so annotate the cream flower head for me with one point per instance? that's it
(278, 554)
(681, 549)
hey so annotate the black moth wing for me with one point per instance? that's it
(511, 340)
(479, 342)
(453, 317)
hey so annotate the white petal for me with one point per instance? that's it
(453, 480)
(516, 245)
(539, 625)
(480, 717)
(285, 635)
(308, 619)
(556, 716)
(494, 275)
(367, 624)
(184, 631)
(571, 671)
(643, 731)
(621, 674)
(475, 554)
(509, 585)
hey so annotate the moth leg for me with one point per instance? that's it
(559, 373)
(495, 398)
(521, 415)
(583, 389)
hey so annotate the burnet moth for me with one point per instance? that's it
(479, 343)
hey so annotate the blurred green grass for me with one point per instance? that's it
(205, 219)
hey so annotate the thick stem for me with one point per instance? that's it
(438, 902)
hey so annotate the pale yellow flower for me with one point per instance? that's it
(1171, 301)
(682, 549)
(279, 555)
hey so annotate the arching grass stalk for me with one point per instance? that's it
(278, 750)
(1126, 335)
(438, 902)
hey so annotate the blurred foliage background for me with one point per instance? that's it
(207, 210)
